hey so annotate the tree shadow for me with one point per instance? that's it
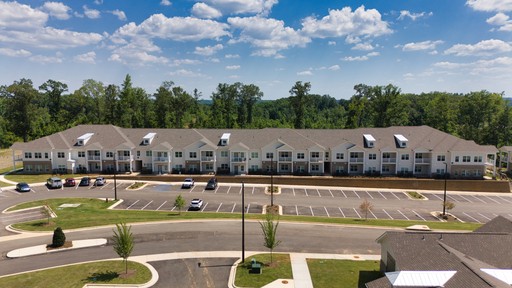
(367, 276)
(106, 276)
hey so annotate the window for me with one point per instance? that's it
(81, 154)
(46, 155)
(61, 155)
(456, 158)
(340, 156)
(284, 154)
(419, 156)
(466, 158)
(178, 154)
(440, 171)
(254, 155)
(193, 154)
(441, 158)
(38, 155)
(340, 170)
(284, 167)
(315, 167)
(385, 168)
(270, 155)
(149, 153)
(300, 155)
(315, 154)
(404, 169)
(353, 168)
(224, 166)
(372, 156)
(224, 153)
(208, 153)
(125, 153)
(300, 169)
(254, 168)
(372, 169)
(138, 153)
(386, 155)
(110, 154)
(477, 159)
(28, 155)
(326, 155)
(405, 156)
(209, 166)
(417, 169)
(178, 166)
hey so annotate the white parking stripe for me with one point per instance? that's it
(387, 214)
(317, 191)
(343, 214)
(146, 205)
(248, 205)
(357, 213)
(311, 209)
(132, 204)
(219, 207)
(332, 195)
(204, 206)
(253, 188)
(233, 210)
(504, 199)
(296, 210)
(373, 214)
(305, 190)
(382, 195)
(466, 199)
(173, 207)
(228, 189)
(344, 193)
(369, 194)
(484, 216)
(440, 198)
(327, 212)
(403, 214)
(161, 205)
(417, 214)
(393, 193)
(491, 199)
(478, 198)
(454, 200)
(356, 195)
(471, 217)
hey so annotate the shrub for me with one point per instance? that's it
(58, 237)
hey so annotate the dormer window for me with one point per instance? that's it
(148, 138)
(401, 140)
(224, 140)
(369, 140)
(82, 140)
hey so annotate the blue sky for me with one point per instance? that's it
(417, 45)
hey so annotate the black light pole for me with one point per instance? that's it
(272, 180)
(115, 183)
(444, 197)
(243, 222)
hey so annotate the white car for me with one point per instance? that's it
(188, 183)
(196, 204)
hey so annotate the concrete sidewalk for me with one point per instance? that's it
(42, 249)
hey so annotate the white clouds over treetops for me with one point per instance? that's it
(482, 48)
(20, 17)
(490, 5)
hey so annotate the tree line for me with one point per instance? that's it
(28, 112)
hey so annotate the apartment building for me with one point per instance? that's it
(419, 151)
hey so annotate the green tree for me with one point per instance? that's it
(163, 104)
(182, 103)
(111, 104)
(52, 90)
(359, 107)
(224, 112)
(20, 100)
(298, 100)
(179, 203)
(94, 93)
(269, 229)
(59, 239)
(123, 242)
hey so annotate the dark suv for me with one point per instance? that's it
(212, 184)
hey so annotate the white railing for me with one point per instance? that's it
(285, 159)
(92, 157)
(423, 160)
(388, 160)
(205, 158)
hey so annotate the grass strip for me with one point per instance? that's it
(329, 273)
(279, 268)
(103, 272)
(93, 212)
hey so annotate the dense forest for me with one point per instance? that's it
(28, 112)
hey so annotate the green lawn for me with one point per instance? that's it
(38, 178)
(93, 212)
(328, 273)
(280, 268)
(103, 272)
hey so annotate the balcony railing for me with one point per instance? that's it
(285, 159)
(238, 159)
(388, 160)
(315, 159)
(161, 159)
(356, 160)
(123, 158)
(94, 158)
(207, 159)
(423, 160)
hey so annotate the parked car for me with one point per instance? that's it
(100, 181)
(86, 181)
(54, 183)
(212, 184)
(69, 182)
(196, 204)
(23, 187)
(188, 183)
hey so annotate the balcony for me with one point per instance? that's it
(207, 159)
(388, 160)
(238, 159)
(423, 160)
(356, 160)
(285, 159)
(124, 158)
(315, 160)
(93, 157)
(161, 159)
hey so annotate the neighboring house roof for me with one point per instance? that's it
(498, 224)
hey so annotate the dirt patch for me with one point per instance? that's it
(67, 244)
(131, 273)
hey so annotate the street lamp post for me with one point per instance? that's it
(272, 179)
(444, 196)
(243, 222)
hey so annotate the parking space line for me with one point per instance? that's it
(306, 190)
(484, 216)
(311, 209)
(319, 195)
(204, 207)
(327, 212)
(357, 195)
(506, 200)
(437, 196)
(373, 214)
(248, 205)
(146, 205)
(454, 200)
(132, 204)
(233, 210)
(510, 215)
(219, 207)
(296, 210)
(161, 205)
(369, 194)
(173, 207)
(342, 214)
(417, 214)
(491, 199)
(253, 188)
(293, 190)
(388, 214)
(471, 217)
(403, 214)
(344, 193)
(396, 196)
(331, 193)
(214, 192)
(466, 199)
(357, 213)
(228, 189)
(382, 195)
(478, 198)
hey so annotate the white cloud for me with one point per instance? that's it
(41, 59)
(19, 16)
(175, 28)
(331, 43)
(202, 10)
(179, 62)
(356, 58)
(346, 23)
(89, 57)
(232, 56)
(334, 67)
(305, 73)
(421, 46)
(233, 7)
(363, 47)
(50, 38)
(138, 52)
(120, 14)
(413, 16)
(165, 3)
(91, 13)
(186, 73)
(482, 48)
(269, 36)
(233, 67)
(208, 50)
(14, 53)
(490, 5)
(501, 20)
(57, 10)
(495, 68)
